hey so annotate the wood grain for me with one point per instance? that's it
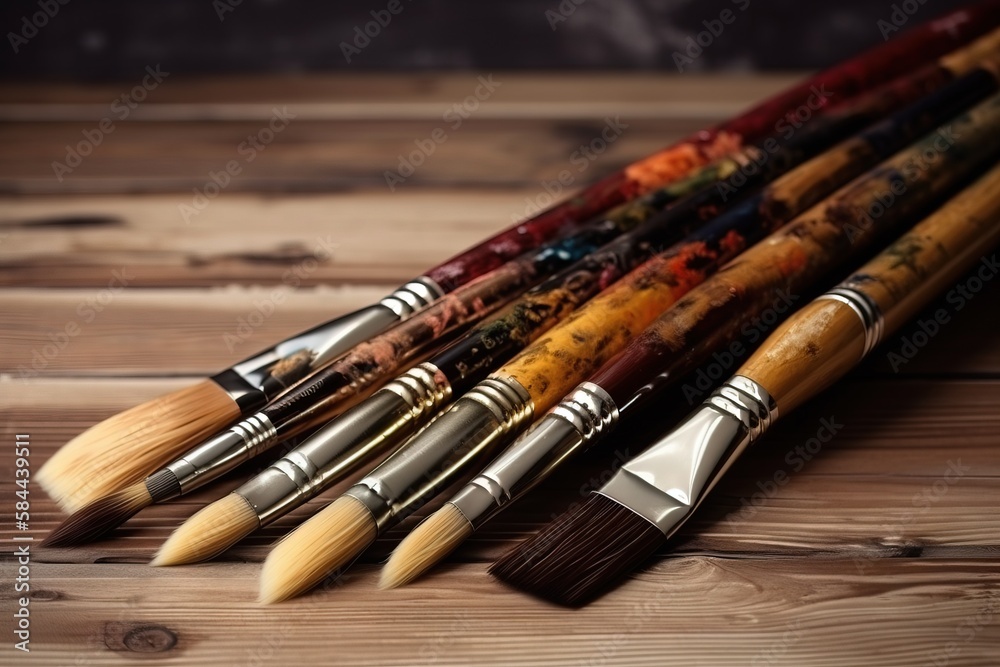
(345, 133)
(206, 330)
(879, 545)
(874, 490)
(786, 612)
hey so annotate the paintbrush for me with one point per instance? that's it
(701, 322)
(418, 395)
(486, 417)
(125, 448)
(591, 411)
(327, 392)
(396, 411)
(318, 397)
(619, 526)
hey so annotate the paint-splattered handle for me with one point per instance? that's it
(742, 303)
(831, 335)
(902, 53)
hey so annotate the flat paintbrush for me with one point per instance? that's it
(700, 322)
(622, 524)
(645, 368)
(396, 411)
(132, 444)
(394, 414)
(485, 417)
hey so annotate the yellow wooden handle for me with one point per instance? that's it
(825, 339)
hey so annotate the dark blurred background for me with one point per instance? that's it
(113, 39)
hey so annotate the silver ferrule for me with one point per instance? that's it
(864, 307)
(412, 296)
(587, 414)
(223, 452)
(331, 340)
(668, 481)
(490, 414)
(374, 426)
(247, 393)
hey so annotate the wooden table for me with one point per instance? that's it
(864, 555)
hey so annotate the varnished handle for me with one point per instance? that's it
(828, 337)
(808, 353)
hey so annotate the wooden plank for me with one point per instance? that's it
(143, 331)
(854, 495)
(886, 536)
(257, 239)
(139, 331)
(345, 131)
(315, 156)
(410, 95)
(787, 611)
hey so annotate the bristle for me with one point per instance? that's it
(580, 555)
(100, 517)
(209, 532)
(123, 449)
(435, 537)
(322, 545)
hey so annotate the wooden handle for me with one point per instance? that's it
(825, 339)
(808, 353)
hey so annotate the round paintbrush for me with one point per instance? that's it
(484, 419)
(396, 411)
(389, 417)
(675, 345)
(127, 447)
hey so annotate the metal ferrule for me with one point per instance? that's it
(223, 452)
(412, 296)
(583, 417)
(331, 340)
(248, 396)
(668, 481)
(435, 457)
(864, 307)
(373, 426)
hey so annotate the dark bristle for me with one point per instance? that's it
(94, 520)
(163, 485)
(581, 554)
